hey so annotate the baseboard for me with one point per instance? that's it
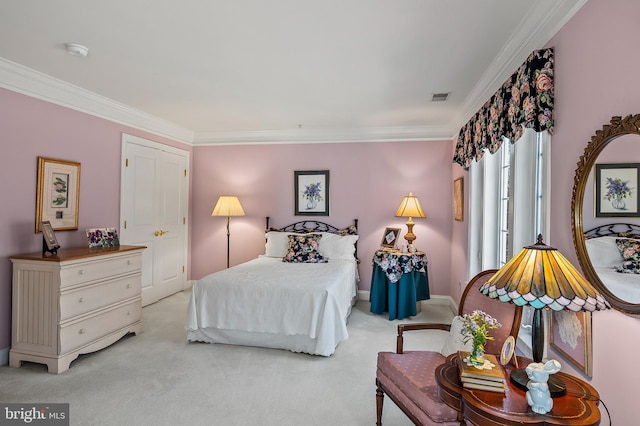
(188, 284)
(434, 300)
(4, 356)
(442, 300)
(363, 295)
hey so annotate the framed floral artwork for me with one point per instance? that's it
(390, 238)
(616, 190)
(311, 193)
(58, 194)
(571, 338)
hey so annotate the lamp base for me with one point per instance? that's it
(556, 386)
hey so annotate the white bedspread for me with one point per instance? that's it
(268, 297)
(624, 286)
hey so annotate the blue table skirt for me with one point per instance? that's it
(400, 298)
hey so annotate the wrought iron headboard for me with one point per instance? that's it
(617, 229)
(309, 226)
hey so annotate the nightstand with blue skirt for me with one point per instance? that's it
(398, 282)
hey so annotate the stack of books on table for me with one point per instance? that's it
(489, 379)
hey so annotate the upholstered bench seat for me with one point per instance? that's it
(409, 377)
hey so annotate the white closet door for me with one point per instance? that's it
(153, 210)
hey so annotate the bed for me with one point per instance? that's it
(614, 252)
(296, 296)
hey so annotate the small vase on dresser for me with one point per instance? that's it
(76, 302)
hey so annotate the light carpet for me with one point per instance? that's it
(158, 378)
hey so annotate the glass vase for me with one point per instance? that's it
(476, 357)
(618, 203)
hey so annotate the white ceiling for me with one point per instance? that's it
(222, 71)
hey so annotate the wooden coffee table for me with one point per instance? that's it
(483, 408)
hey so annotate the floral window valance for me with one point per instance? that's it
(525, 100)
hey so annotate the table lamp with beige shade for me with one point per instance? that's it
(410, 207)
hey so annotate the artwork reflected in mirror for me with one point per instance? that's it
(616, 188)
(605, 210)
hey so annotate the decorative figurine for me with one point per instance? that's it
(538, 395)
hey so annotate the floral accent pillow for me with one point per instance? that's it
(629, 267)
(630, 251)
(304, 249)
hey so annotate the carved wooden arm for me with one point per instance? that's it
(413, 327)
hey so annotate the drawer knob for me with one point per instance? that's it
(82, 299)
(81, 331)
(81, 272)
(128, 312)
(128, 285)
(129, 262)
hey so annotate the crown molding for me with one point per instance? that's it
(544, 20)
(295, 136)
(18, 78)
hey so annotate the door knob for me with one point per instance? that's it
(160, 233)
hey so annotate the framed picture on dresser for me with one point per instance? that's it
(49, 236)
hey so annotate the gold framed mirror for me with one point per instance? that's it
(620, 286)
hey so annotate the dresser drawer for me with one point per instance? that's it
(91, 297)
(79, 333)
(99, 268)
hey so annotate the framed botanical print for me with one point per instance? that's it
(311, 192)
(616, 190)
(58, 194)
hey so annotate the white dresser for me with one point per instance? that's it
(78, 301)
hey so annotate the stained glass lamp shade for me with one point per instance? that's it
(540, 276)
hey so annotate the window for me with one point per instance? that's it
(509, 205)
(505, 211)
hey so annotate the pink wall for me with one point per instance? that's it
(596, 78)
(459, 237)
(367, 182)
(30, 128)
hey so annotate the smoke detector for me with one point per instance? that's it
(76, 49)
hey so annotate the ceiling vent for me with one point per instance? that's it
(439, 97)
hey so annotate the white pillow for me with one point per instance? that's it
(277, 243)
(454, 341)
(333, 246)
(603, 252)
